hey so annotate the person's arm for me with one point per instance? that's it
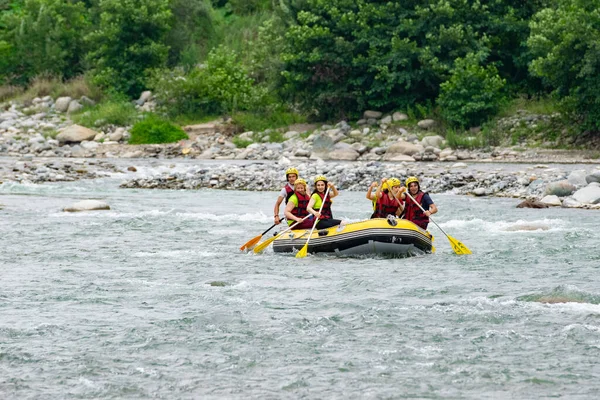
(288, 212)
(432, 209)
(379, 189)
(276, 210)
(310, 206)
(332, 191)
(370, 191)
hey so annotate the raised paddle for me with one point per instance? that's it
(267, 242)
(457, 246)
(250, 243)
(304, 250)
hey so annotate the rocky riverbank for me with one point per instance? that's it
(43, 145)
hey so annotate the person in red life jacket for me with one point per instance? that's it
(413, 212)
(388, 201)
(295, 210)
(291, 174)
(326, 219)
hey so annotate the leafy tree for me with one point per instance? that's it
(192, 33)
(566, 43)
(128, 41)
(473, 93)
(42, 37)
(343, 56)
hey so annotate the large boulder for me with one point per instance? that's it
(62, 104)
(87, 205)
(593, 177)
(589, 194)
(426, 124)
(551, 200)
(435, 141)
(76, 134)
(369, 114)
(560, 188)
(577, 178)
(403, 147)
(529, 203)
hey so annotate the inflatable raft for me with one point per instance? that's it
(378, 236)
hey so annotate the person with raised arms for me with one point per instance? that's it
(296, 208)
(387, 198)
(318, 198)
(291, 174)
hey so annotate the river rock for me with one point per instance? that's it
(589, 194)
(426, 124)
(434, 141)
(398, 116)
(369, 114)
(87, 205)
(593, 177)
(551, 200)
(403, 147)
(62, 104)
(577, 178)
(560, 188)
(76, 134)
(529, 203)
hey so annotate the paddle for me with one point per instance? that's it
(304, 250)
(457, 246)
(250, 243)
(267, 242)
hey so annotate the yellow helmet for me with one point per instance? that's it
(412, 179)
(300, 180)
(291, 170)
(320, 178)
(393, 182)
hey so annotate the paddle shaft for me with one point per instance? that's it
(272, 226)
(267, 242)
(317, 218)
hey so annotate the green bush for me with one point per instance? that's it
(259, 121)
(472, 94)
(458, 141)
(127, 42)
(112, 112)
(241, 143)
(42, 37)
(155, 130)
(221, 86)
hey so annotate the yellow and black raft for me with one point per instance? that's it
(378, 236)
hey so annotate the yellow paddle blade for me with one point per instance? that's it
(264, 245)
(302, 252)
(458, 246)
(250, 243)
(432, 248)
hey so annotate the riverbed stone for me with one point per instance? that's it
(561, 188)
(551, 200)
(76, 134)
(87, 205)
(589, 194)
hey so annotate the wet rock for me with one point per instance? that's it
(529, 203)
(87, 205)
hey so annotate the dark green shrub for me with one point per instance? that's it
(472, 94)
(127, 42)
(155, 130)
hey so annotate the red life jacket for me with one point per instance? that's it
(385, 206)
(326, 211)
(289, 191)
(414, 213)
(300, 210)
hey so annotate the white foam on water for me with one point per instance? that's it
(519, 226)
(174, 254)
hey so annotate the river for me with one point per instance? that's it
(153, 299)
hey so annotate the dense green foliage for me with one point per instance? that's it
(155, 130)
(263, 61)
(117, 111)
(566, 43)
(472, 94)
